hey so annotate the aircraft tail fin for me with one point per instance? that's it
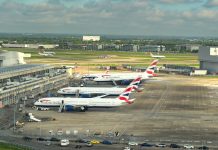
(124, 96)
(151, 68)
(135, 83)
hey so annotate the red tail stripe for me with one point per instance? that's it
(137, 79)
(154, 74)
(129, 89)
(154, 62)
(149, 72)
(124, 99)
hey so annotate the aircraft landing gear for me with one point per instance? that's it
(83, 109)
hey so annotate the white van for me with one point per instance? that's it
(65, 142)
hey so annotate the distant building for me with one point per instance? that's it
(126, 47)
(135, 48)
(15, 45)
(208, 57)
(91, 38)
(48, 46)
(45, 46)
(100, 47)
(10, 58)
(188, 47)
(110, 47)
(151, 48)
(90, 47)
(193, 47)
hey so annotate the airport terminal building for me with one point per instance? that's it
(208, 57)
(19, 80)
(28, 80)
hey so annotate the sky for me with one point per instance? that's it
(112, 17)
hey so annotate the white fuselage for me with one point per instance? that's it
(78, 102)
(46, 54)
(121, 76)
(91, 90)
(158, 56)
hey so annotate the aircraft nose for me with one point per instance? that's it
(36, 102)
(59, 91)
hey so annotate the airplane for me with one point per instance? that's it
(43, 53)
(157, 56)
(149, 72)
(93, 76)
(69, 67)
(82, 104)
(99, 90)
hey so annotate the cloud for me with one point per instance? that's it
(179, 1)
(143, 17)
(211, 3)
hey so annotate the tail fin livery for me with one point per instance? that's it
(125, 95)
(135, 83)
(151, 68)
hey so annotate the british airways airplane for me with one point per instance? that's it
(99, 90)
(83, 104)
(125, 76)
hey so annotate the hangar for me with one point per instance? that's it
(208, 57)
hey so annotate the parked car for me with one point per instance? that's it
(133, 143)
(175, 146)
(82, 141)
(95, 142)
(187, 146)
(54, 139)
(65, 142)
(89, 144)
(41, 139)
(106, 142)
(127, 148)
(204, 148)
(161, 145)
(146, 145)
(60, 132)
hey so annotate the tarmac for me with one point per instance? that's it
(169, 110)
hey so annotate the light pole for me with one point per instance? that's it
(14, 117)
(15, 108)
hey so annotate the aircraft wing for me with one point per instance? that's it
(101, 96)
